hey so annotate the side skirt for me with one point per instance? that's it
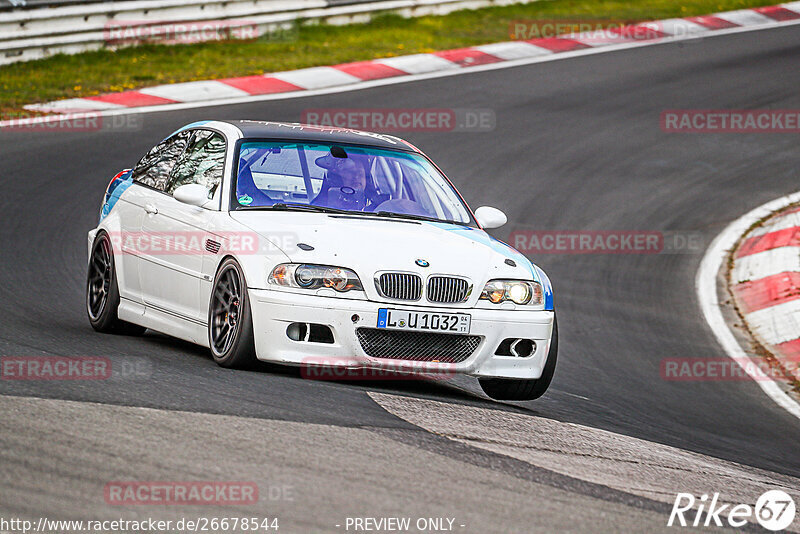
(164, 322)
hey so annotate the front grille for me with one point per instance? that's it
(400, 286)
(447, 289)
(416, 346)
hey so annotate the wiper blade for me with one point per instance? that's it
(292, 206)
(304, 207)
(283, 206)
(415, 217)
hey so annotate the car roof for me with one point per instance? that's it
(324, 134)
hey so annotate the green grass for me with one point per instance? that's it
(105, 71)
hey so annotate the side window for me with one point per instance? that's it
(154, 168)
(201, 163)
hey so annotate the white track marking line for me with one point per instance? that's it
(706, 287)
(72, 104)
(417, 77)
(194, 91)
(513, 50)
(743, 17)
(680, 27)
(315, 77)
(597, 38)
(418, 63)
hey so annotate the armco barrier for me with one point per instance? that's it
(27, 34)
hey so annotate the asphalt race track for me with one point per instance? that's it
(577, 146)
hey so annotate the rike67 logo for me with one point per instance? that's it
(774, 510)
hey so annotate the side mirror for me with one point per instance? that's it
(489, 217)
(193, 194)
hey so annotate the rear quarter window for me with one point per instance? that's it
(154, 169)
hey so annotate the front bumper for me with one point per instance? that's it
(273, 311)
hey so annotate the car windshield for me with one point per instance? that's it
(346, 178)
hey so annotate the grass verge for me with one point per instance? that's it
(108, 71)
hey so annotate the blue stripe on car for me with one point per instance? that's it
(479, 236)
(115, 190)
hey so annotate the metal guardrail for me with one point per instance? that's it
(8, 5)
(27, 34)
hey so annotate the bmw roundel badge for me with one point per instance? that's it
(422, 263)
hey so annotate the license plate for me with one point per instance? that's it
(450, 323)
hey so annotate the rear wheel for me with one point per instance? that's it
(102, 291)
(523, 390)
(230, 323)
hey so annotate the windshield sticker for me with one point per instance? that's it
(245, 200)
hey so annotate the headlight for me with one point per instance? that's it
(308, 276)
(517, 291)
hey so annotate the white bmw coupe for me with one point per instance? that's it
(312, 246)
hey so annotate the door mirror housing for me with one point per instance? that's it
(489, 217)
(192, 194)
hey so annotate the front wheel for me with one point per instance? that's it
(230, 323)
(523, 390)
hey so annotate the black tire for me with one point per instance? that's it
(230, 322)
(102, 291)
(524, 390)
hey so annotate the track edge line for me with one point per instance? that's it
(708, 300)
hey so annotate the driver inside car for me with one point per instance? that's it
(346, 185)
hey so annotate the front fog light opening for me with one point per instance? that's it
(516, 347)
(309, 333)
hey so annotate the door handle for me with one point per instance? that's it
(149, 208)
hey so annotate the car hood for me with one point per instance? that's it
(372, 244)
